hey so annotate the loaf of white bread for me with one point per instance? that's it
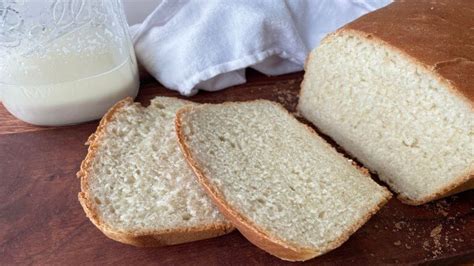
(283, 187)
(395, 89)
(135, 184)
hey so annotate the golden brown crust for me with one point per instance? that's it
(252, 232)
(437, 34)
(146, 238)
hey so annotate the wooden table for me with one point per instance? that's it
(41, 221)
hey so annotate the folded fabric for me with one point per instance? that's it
(207, 44)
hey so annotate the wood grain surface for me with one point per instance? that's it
(42, 223)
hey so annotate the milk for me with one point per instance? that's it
(75, 78)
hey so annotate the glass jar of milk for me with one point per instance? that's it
(64, 61)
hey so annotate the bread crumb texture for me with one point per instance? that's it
(391, 113)
(278, 174)
(139, 180)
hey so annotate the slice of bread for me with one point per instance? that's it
(398, 95)
(285, 189)
(136, 186)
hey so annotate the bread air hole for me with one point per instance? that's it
(186, 217)
(97, 200)
(159, 106)
(131, 179)
(223, 139)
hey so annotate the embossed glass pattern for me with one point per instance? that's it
(64, 61)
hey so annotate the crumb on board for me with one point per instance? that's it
(437, 239)
(435, 233)
(436, 248)
(399, 226)
(442, 207)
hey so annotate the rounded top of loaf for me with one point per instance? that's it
(439, 34)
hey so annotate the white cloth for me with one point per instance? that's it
(207, 44)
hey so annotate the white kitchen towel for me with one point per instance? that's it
(189, 45)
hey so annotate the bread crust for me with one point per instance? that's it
(435, 34)
(142, 238)
(255, 234)
(447, 59)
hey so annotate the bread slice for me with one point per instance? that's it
(398, 95)
(135, 184)
(282, 186)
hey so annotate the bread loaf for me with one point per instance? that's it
(395, 89)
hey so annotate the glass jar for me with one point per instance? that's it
(64, 61)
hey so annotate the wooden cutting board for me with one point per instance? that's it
(41, 221)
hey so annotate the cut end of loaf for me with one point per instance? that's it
(136, 186)
(281, 185)
(391, 112)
